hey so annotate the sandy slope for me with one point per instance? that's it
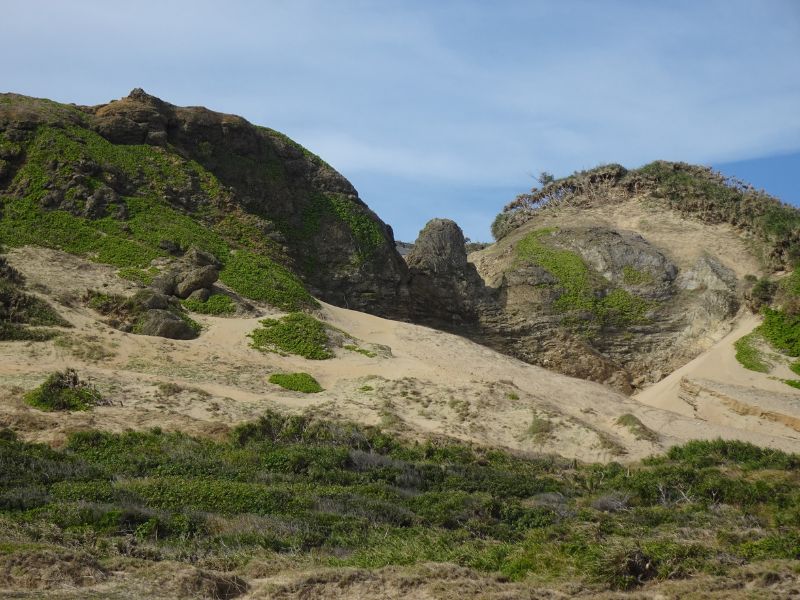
(424, 382)
(716, 388)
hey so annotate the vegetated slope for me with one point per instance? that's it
(271, 509)
(138, 179)
(623, 276)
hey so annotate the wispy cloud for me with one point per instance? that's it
(451, 92)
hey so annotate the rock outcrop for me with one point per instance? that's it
(445, 288)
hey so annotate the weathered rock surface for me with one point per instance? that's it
(163, 323)
(445, 287)
(639, 317)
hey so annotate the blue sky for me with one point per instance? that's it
(446, 109)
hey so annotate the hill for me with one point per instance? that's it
(137, 179)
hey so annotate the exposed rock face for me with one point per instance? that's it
(444, 286)
(603, 304)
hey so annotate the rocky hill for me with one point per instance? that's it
(623, 276)
(139, 179)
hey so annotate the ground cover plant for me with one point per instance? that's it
(295, 333)
(343, 495)
(297, 382)
(216, 304)
(579, 285)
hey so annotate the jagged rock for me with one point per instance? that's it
(163, 323)
(152, 299)
(195, 279)
(444, 285)
(165, 283)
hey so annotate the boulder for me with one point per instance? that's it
(165, 283)
(200, 258)
(445, 287)
(150, 299)
(195, 279)
(163, 323)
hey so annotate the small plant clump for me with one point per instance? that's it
(748, 354)
(297, 382)
(140, 276)
(296, 333)
(64, 391)
(359, 350)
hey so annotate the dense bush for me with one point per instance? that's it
(64, 391)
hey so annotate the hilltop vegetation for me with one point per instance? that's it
(689, 189)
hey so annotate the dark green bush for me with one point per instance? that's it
(64, 391)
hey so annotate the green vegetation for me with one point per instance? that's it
(261, 278)
(295, 333)
(782, 330)
(579, 284)
(748, 354)
(639, 430)
(150, 219)
(336, 494)
(130, 313)
(19, 312)
(297, 382)
(217, 304)
(63, 391)
(631, 276)
(325, 209)
(141, 276)
(364, 351)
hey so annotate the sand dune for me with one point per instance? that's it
(423, 382)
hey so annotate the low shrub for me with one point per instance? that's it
(217, 304)
(295, 333)
(297, 382)
(64, 391)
